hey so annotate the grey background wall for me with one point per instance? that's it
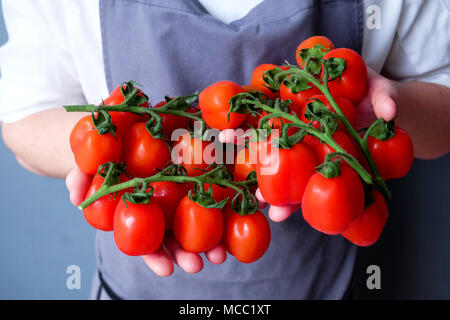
(41, 234)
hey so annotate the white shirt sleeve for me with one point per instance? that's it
(421, 47)
(37, 68)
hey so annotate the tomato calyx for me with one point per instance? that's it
(333, 68)
(297, 82)
(330, 168)
(251, 178)
(111, 172)
(381, 129)
(205, 197)
(274, 77)
(132, 95)
(245, 203)
(175, 170)
(180, 103)
(270, 78)
(242, 102)
(103, 122)
(154, 126)
(313, 58)
(142, 194)
(317, 111)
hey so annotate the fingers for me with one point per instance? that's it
(278, 214)
(217, 255)
(380, 99)
(78, 184)
(188, 261)
(261, 202)
(384, 104)
(159, 262)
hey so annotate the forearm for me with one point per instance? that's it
(424, 112)
(41, 141)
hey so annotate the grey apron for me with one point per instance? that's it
(175, 47)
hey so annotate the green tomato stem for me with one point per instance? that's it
(322, 136)
(200, 180)
(138, 110)
(362, 143)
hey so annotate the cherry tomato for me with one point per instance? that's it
(246, 237)
(311, 142)
(79, 130)
(366, 229)
(168, 195)
(244, 164)
(342, 139)
(213, 102)
(196, 228)
(346, 107)
(144, 154)
(100, 214)
(298, 99)
(192, 154)
(221, 193)
(257, 80)
(330, 204)
(352, 84)
(116, 97)
(92, 149)
(394, 156)
(275, 123)
(123, 119)
(138, 228)
(283, 173)
(251, 121)
(171, 122)
(310, 43)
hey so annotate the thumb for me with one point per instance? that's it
(281, 213)
(78, 184)
(384, 104)
(276, 213)
(381, 97)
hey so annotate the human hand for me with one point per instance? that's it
(162, 261)
(380, 100)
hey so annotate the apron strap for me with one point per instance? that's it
(104, 286)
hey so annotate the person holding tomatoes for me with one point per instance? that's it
(179, 47)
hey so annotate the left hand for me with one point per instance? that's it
(380, 100)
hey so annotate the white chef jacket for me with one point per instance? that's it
(54, 53)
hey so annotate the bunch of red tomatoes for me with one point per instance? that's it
(311, 156)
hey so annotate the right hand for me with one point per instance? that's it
(162, 261)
